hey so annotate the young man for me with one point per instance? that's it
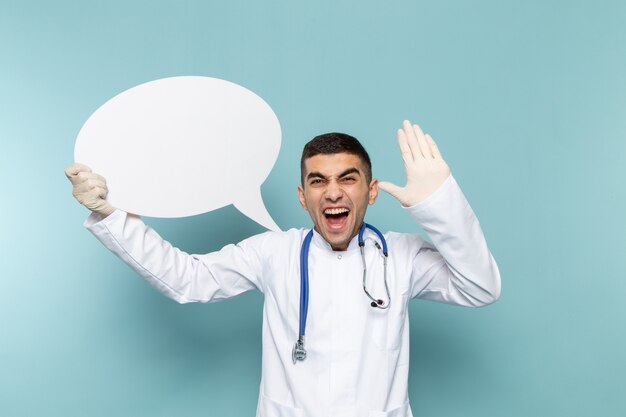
(355, 360)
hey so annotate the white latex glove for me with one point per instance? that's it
(89, 188)
(425, 168)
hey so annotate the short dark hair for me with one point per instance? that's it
(332, 143)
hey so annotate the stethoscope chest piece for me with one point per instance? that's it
(298, 353)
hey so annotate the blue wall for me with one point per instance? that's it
(527, 101)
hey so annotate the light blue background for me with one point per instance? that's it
(527, 101)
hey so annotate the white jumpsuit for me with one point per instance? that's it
(357, 356)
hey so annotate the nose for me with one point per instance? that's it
(333, 191)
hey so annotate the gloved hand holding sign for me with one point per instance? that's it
(89, 188)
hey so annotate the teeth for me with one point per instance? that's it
(336, 210)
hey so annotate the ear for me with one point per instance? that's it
(301, 197)
(373, 194)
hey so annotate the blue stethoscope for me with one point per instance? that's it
(299, 353)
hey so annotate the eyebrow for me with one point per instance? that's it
(316, 174)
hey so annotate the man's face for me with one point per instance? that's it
(336, 193)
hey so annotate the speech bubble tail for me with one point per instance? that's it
(252, 206)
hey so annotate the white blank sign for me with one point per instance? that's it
(183, 146)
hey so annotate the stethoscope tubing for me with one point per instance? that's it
(298, 352)
(304, 282)
(375, 230)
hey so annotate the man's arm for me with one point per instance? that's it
(457, 267)
(180, 276)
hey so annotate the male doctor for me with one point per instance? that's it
(357, 347)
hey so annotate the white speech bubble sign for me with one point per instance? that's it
(182, 146)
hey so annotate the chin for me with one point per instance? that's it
(339, 242)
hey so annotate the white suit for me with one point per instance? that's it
(357, 356)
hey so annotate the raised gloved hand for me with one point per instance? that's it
(425, 168)
(89, 188)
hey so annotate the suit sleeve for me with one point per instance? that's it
(183, 277)
(457, 267)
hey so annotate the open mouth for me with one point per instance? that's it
(336, 217)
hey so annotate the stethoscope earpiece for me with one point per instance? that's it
(377, 303)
